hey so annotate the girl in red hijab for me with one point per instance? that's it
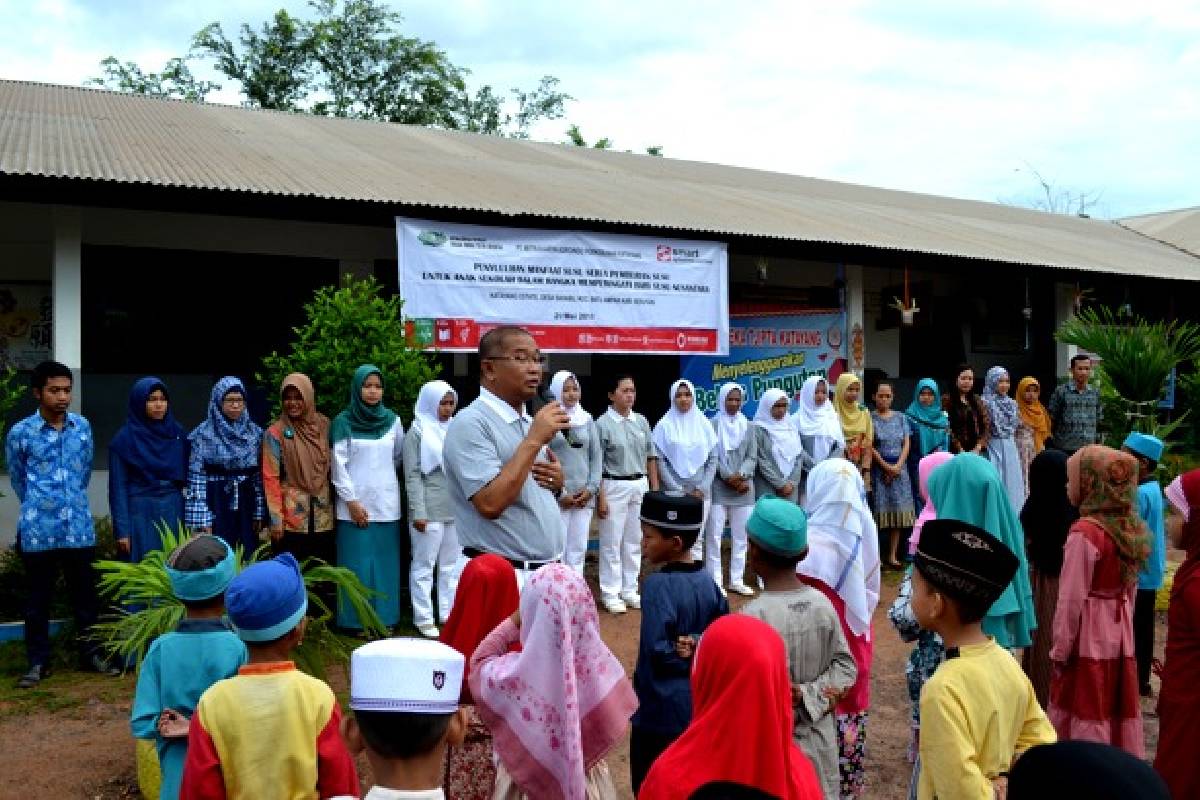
(739, 682)
(486, 596)
(1179, 698)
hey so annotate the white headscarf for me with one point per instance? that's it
(730, 430)
(686, 440)
(785, 440)
(579, 417)
(843, 544)
(433, 430)
(818, 421)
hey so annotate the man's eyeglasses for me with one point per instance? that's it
(521, 358)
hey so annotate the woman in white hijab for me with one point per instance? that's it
(581, 456)
(686, 447)
(781, 460)
(431, 524)
(820, 430)
(843, 562)
(733, 488)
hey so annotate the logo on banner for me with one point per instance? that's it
(432, 238)
(663, 252)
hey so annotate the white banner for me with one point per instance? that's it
(575, 291)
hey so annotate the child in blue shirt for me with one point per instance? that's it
(1148, 451)
(678, 604)
(181, 665)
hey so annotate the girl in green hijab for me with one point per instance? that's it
(367, 444)
(968, 488)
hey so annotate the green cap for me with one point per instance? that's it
(779, 527)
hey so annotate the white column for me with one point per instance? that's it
(1064, 309)
(855, 303)
(67, 289)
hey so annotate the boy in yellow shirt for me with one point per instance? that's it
(978, 711)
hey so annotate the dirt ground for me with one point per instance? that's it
(70, 738)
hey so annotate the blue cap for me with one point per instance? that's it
(267, 600)
(1145, 445)
(204, 583)
(778, 526)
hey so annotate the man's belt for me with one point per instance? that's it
(472, 552)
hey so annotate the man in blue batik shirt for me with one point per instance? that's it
(49, 464)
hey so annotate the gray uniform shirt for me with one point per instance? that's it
(581, 465)
(818, 659)
(768, 478)
(483, 437)
(428, 495)
(671, 481)
(626, 443)
(741, 461)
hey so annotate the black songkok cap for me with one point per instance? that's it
(672, 511)
(964, 561)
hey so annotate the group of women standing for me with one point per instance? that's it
(322, 489)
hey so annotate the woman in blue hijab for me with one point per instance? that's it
(928, 430)
(147, 464)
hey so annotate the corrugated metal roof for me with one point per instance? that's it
(1179, 228)
(73, 132)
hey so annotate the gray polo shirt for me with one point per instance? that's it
(626, 442)
(428, 495)
(581, 465)
(483, 437)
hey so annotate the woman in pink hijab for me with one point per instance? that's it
(559, 705)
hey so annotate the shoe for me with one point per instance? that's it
(428, 631)
(36, 674)
(615, 606)
(632, 600)
(97, 663)
(742, 589)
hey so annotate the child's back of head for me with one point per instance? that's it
(200, 570)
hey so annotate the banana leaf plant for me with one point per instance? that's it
(146, 608)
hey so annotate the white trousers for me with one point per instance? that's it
(737, 516)
(437, 546)
(621, 538)
(577, 522)
(698, 547)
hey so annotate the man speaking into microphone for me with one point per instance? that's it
(504, 481)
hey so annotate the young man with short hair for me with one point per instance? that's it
(50, 464)
(1075, 408)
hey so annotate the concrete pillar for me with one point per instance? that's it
(67, 289)
(1064, 309)
(855, 309)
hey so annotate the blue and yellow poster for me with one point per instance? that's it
(769, 351)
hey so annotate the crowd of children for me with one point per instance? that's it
(1029, 599)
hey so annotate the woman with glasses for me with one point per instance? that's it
(225, 492)
(368, 442)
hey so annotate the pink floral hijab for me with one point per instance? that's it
(558, 706)
(925, 468)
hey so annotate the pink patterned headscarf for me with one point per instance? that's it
(925, 468)
(559, 705)
(1178, 498)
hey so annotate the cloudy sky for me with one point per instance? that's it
(963, 99)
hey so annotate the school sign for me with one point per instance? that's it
(771, 351)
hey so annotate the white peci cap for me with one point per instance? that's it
(415, 676)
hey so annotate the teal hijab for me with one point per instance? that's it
(968, 488)
(359, 420)
(929, 421)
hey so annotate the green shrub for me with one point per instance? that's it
(347, 327)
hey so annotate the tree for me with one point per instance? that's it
(575, 137)
(1058, 200)
(347, 327)
(351, 60)
(175, 80)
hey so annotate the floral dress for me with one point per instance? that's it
(893, 501)
(1026, 450)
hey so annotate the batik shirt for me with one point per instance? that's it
(50, 470)
(1075, 416)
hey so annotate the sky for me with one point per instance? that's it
(965, 99)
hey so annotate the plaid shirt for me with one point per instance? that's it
(196, 513)
(1075, 416)
(50, 470)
